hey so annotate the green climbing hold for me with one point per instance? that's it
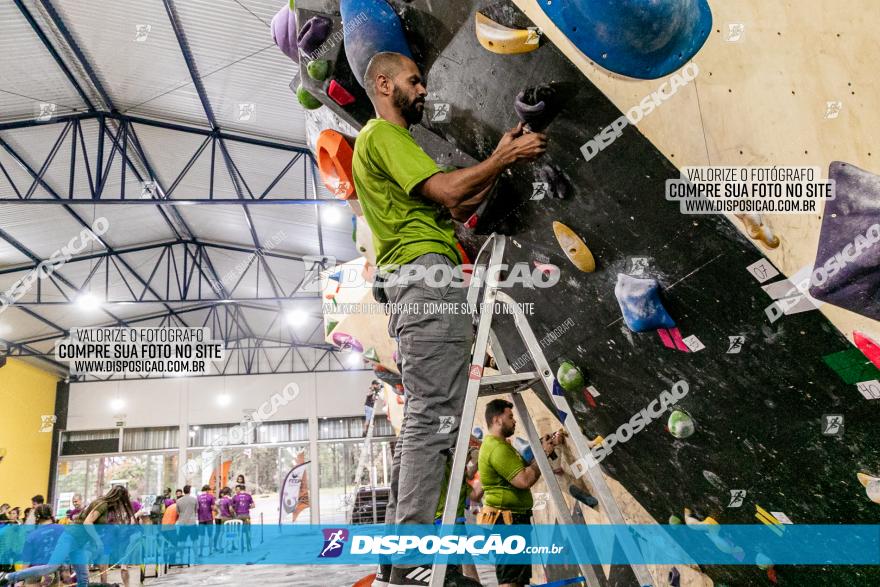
(331, 324)
(681, 424)
(318, 69)
(308, 101)
(371, 355)
(570, 378)
(852, 366)
(292, 5)
(674, 520)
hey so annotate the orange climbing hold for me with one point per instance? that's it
(334, 163)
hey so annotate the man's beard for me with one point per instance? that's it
(408, 109)
(507, 431)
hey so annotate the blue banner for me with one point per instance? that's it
(369, 544)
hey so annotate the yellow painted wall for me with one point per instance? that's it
(26, 393)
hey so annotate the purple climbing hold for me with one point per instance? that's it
(640, 303)
(347, 342)
(284, 32)
(538, 106)
(846, 264)
(314, 32)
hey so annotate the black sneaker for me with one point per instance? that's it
(421, 576)
(383, 576)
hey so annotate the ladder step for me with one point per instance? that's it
(511, 382)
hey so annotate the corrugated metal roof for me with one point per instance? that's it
(134, 52)
(22, 92)
(132, 48)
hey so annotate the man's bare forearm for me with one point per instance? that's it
(464, 210)
(469, 185)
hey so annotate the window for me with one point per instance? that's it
(83, 435)
(237, 434)
(149, 438)
(335, 428)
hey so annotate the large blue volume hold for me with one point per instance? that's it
(640, 303)
(370, 27)
(644, 39)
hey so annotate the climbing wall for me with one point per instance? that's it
(758, 408)
(777, 86)
(759, 411)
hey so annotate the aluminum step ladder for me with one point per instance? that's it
(366, 453)
(510, 382)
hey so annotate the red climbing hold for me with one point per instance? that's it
(339, 94)
(589, 397)
(870, 348)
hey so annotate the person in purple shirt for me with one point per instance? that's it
(76, 506)
(168, 499)
(205, 506)
(243, 503)
(224, 513)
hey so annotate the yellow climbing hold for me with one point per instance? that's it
(757, 230)
(574, 248)
(503, 40)
(864, 478)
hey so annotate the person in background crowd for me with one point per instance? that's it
(13, 515)
(112, 509)
(224, 514)
(206, 509)
(38, 548)
(187, 518)
(4, 511)
(167, 497)
(242, 504)
(169, 528)
(240, 480)
(29, 516)
(370, 403)
(76, 506)
(178, 494)
(157, 509)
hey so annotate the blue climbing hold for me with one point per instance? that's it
(644, 39)
(522, 447)
(640, 303)
(377, 29)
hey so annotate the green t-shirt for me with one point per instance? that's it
(462, 495)
(499, 463)
(387, 165)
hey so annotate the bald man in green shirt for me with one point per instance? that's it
(409, 204)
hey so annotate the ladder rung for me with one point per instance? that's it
(511, 382)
